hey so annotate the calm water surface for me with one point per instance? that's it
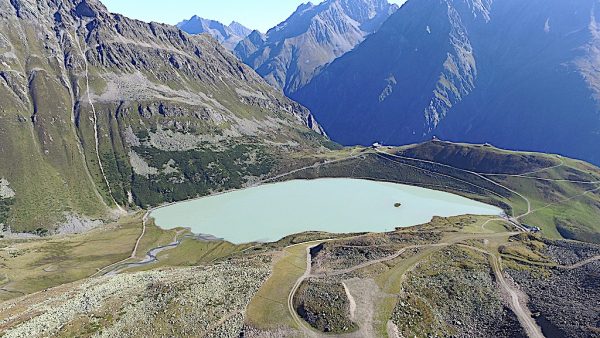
(271, 212)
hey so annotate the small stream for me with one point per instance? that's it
(149, 259)
(151, 256)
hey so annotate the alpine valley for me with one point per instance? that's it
(115, 133)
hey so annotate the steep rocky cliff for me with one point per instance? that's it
(291, 53)
(100, 112)
(518, 74)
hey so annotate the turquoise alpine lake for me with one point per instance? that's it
(272, 211)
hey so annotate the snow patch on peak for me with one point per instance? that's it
(547, 26)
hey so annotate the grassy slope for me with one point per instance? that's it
(40, 153)
(32, 265)
(49, 178)
(576, 218)
(560, 208)
(269, 308)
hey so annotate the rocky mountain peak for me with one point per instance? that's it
(311, 37)
(239, 29)
(256, 36)
(228, 36)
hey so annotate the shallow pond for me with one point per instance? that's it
(273, 211)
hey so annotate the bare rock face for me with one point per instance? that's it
(5, 190)
(291, 53)
(78, 83)
(519, 75)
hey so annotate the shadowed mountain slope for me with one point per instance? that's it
(518, 74)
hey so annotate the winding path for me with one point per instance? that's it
(372, 262)
(302, 325)
(526, 175)
(312, 166)
(520, 310)
(351, 300)
(137, 243)
(290, 301)
(580, 264)
(554, 265)
(515, 220)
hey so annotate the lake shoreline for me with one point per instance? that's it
(334, 205)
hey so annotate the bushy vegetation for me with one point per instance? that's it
(118, 173)
(199, 172)
(5, 205)
(390, 169)
(325, 306)
(316, 138)
(453, 294)
(563, 194)
(572, 230)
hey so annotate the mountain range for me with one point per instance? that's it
(229, 36)
(107, 122)
(517, 74)
(99, 112)
(291, 53)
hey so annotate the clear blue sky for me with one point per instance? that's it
(256, 14)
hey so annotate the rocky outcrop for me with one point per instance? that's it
(453, 294)
(7, 196)
(195, 301)
(239, 29)
(563, 301)
(5, 191)
(291, 53)
(519, 75)
(324, 305)
(458, 76)
(76, 225)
